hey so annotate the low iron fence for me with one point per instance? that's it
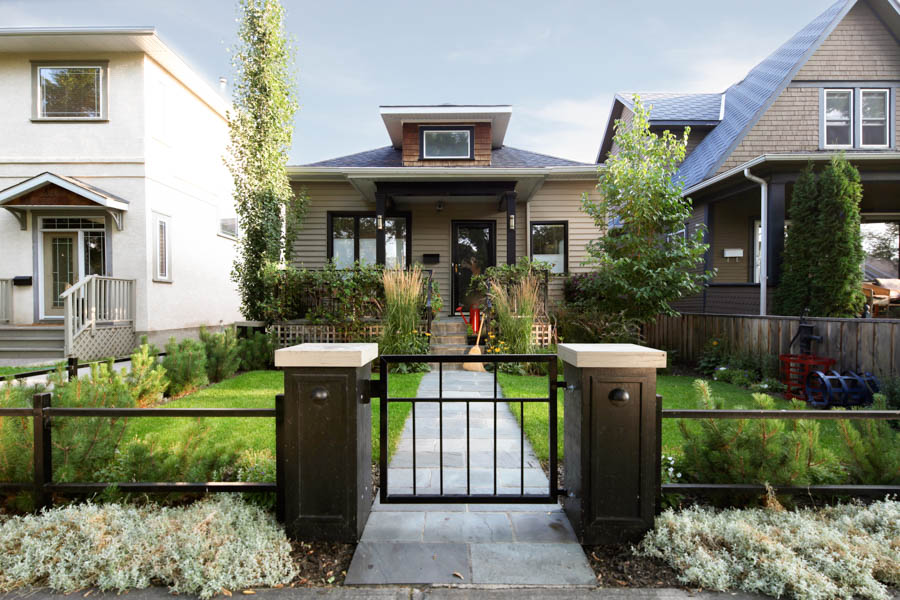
(43, 486)
(705, 489)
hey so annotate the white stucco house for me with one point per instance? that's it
(117, 217)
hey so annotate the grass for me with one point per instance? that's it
(257, 389)
(677, 392)
(6, 371)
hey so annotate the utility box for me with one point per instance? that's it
(325, 463)
(612, 440)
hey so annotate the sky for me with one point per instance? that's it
(558, 63)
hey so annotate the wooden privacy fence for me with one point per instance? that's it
(871, 345)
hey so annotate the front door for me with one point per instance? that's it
(60, 269)
(474, 250)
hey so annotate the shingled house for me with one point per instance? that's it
(830, 88)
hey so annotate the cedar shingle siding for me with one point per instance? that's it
(411, 148)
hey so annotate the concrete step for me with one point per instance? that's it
(455, 326)
(450, 348)
(448, 339)
(25, 342)
(34, 333)
(48, 352)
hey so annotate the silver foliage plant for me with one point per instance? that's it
(220, 543)
(842, 551)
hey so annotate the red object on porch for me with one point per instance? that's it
(796, 367)
(474, 317)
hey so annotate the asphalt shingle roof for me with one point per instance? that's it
(677, 107)
(505, 157)
(747, 100)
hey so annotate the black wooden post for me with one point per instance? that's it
(326, 441)
(280, 456)
(611, 423)
(72, 368)
(775, 247)
(43, 452)
(380, 207)
(511, 225)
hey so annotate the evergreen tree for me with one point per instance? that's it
(794, 290)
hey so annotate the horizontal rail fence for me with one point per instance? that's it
(6, 300)
(871, 345)
(703, 489)
(495, 496)
(42, 414)
(72, 364)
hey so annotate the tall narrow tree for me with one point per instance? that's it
(261, 127)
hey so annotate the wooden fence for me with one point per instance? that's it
(871, 345)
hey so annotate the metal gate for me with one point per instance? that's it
(453, 493)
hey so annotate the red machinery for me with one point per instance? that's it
(796, 368)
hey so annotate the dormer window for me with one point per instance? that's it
(447, 143)
(71, 90)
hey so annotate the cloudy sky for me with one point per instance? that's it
(558, 63)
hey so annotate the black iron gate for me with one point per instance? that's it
(495, 496)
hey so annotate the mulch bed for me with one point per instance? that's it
(321, 563)
(617, 566)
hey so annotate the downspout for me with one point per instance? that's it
(764, 242)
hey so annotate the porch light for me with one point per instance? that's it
(379, 222)
(512, 222)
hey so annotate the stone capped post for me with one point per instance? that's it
(612, 440)
(325, 463)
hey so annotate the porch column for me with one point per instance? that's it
(510, 199)
(380, 203)
(775, 246)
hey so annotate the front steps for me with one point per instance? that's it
(41, 343)
(448, 336)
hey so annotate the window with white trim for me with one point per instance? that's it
(162, 248)
(838, 118)
(447, 142)
(856, 118)
(70, 91)
(874, 111)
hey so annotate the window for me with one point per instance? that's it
(162, 248)
(757, 246)
(228, 222)
(351, 238)
(838, 118)
(548, 244)
(447, 143)
(69, 91)
(874, 118)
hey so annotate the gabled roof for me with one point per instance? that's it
(501, 158)
(496, 114)
(746, 101)
(90, 193)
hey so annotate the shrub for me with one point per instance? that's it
(147, 378)
(873, 449)
(222, 359)
(754, 450)
(713, 356)
(257, 352)
(582, 324)
(403, 307)
(515, 308)
(185, 364)
(844, 551)
(768, 386)
(206, 548)
(509, 275)
(17, 441)
(890, 389)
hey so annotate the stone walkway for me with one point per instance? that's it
(467, 543)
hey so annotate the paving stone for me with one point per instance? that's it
(408, 562)
(467, 527)
(402, 477)
(400, 526)
(541, 527)
(377, 506)
(511, 508)
(512, 477)
(531, 564)
(432, 458)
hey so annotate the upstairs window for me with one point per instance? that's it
(69, 91)
(838, 118)
(447, 142)
(874, 118)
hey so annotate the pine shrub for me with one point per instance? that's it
(147, 378)
(872, 448)
(222, 358)
(185, 364)
(257, 352)
(17, 441)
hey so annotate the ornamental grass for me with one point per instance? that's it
(404, 303)
(515, 308)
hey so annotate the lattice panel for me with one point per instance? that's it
(542, 334)
(291, 334)
(104, 342)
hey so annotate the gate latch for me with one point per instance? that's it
(370, 388)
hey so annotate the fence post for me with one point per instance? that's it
(280, 456)
(327, 440)
(43, 455)
(71, 368)
(612, 457)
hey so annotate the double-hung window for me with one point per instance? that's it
(549, 243)
(856, 118)
(352, 237)
(162, 248)
(70, 91)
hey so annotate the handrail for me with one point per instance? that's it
(94, 300)
(6, 300)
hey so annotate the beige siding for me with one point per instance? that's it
(860, 48)
(561, 201)
(731, 224)
(310, 247)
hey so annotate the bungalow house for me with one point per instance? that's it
(446, 193)
(830, 88)
(117, 216)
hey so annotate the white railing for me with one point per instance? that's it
(96, 302)
(6, 301)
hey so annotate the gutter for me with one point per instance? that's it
(487, 173)
(763, 251)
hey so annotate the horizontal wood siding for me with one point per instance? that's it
(732, 221)
(871, 345)
(561, 201)
(310, 246)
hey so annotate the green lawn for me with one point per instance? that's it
(6, 371)
(257, 389)
(677, 392)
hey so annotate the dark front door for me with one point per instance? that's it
(474, 250)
